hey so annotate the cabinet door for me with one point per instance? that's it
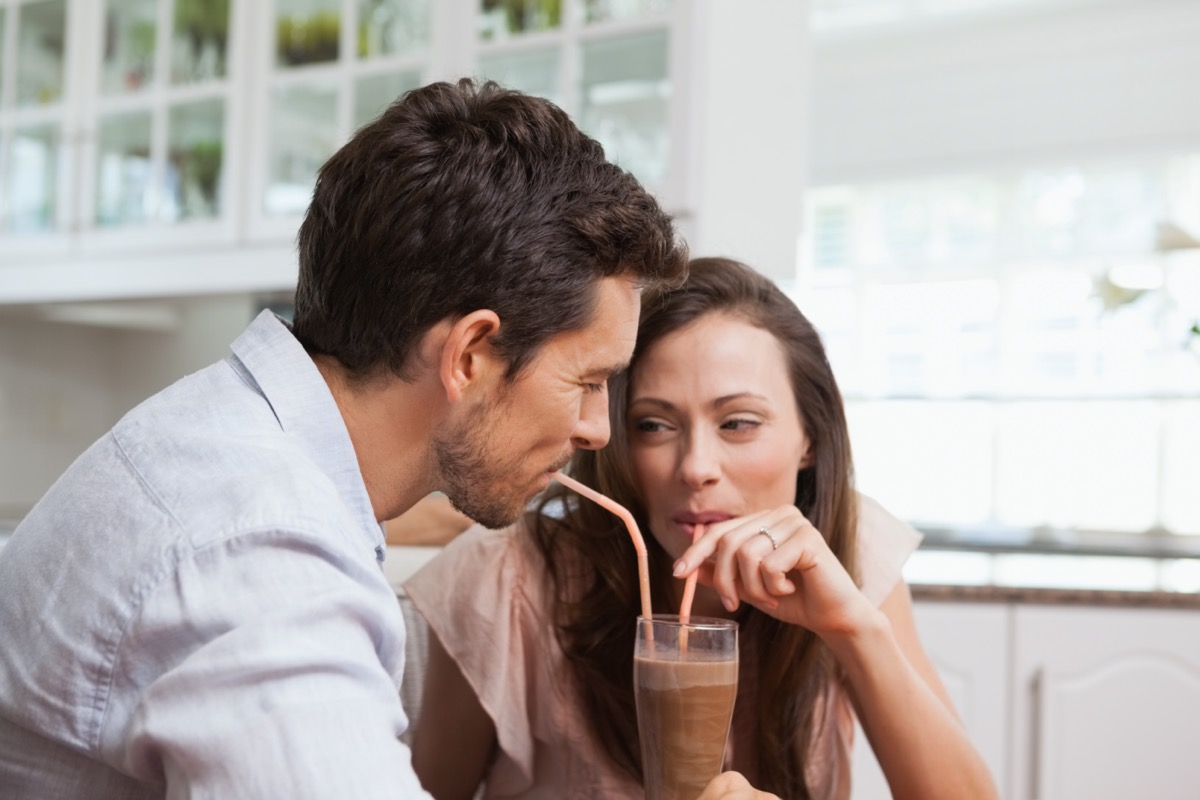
(969, 645)
(327, 67)
(159, 123)
(35, 106)
(1106, 703)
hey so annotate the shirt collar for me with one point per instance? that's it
(270, 358)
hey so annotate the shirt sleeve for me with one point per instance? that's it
(884, 544)
(476, 597)
(265, 666)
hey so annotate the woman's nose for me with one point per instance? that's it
(698, 463)
(592, 431)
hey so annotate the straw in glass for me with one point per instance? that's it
(689, 592)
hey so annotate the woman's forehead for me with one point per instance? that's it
(722, 353)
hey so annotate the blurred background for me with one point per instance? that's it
(990, 209)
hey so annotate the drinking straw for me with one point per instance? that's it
(639, 544)
(689, 592)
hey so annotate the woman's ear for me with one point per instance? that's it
(467, 357)
(806, 453)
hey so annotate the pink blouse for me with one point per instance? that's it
(483, 598)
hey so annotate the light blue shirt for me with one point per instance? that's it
(196, 609)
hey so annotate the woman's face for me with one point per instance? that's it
(713, 427)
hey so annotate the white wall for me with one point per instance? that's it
(56, 393)
(1092, 80)
(62, 385)
(1086, 80)
(748, 131)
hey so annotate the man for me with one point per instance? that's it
(195, 609)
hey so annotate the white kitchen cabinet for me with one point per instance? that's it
(969, 644)
(1067, 702)
(121, 151)
(329, 66)
(117, 128)
(146, 148)
(1106, 703)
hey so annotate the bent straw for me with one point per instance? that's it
(639, 544)
(689, 592)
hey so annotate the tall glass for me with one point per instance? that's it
(685, 682)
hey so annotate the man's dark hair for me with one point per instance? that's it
(466, 196)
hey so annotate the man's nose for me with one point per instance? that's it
(592, 431)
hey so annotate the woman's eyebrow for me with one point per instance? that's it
(717, 403)
(729, 398)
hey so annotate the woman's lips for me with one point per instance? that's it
(688, 520)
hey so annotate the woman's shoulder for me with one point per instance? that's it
(884, 543)
(876, 522)
(483, 565)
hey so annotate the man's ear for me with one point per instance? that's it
(467, 353)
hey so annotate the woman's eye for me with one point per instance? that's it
(740, 424)
(593, 388)
(649, 426)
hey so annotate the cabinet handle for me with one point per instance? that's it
(1037, 694)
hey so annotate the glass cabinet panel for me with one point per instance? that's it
(499, 19)
(374, 93)
(194, 161)
(3, 54)
(392, 27)
(303, 134)
(624, 96)
(123, 178)
(164, 89)
(307, 32)
(338, 65)
(31, 184)
(535, 72)
(41, 44)
(200, 41)
(130, 28)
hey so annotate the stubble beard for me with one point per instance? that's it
(474, 473)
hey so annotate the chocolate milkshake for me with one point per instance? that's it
(684, 704)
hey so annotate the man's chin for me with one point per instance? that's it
(489, 513)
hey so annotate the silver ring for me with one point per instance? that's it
(765, 531)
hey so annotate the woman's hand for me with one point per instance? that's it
(788, 571)
(733, 786)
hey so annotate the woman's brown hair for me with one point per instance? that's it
(592, 566)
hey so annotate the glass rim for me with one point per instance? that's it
(693, 623)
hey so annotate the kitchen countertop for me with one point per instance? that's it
(1033, 595)
(941, 574)
(404, 561)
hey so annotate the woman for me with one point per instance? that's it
(730, 446)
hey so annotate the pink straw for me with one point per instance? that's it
(689, 592)
(639, 544)
(689, 586)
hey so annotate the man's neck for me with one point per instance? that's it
(390, 422)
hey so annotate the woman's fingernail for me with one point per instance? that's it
(680, 568)
(730, 604)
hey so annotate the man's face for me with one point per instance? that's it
(504, 449)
